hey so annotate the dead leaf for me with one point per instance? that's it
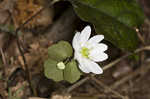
(25, 9)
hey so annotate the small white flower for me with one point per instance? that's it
(89, 51)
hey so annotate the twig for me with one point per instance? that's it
(3, 56)
(28, 75)
(3, 59)
(140, 36)
(130, 76)
(104, 96)
(95, 96)
(107, 67)
(108, 88)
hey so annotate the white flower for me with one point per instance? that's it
(89, 51)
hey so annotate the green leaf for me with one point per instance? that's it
(112, 18)
(60, 51)
(71, 72)
(125, 11)
(51, 71)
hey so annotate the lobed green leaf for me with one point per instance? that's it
(51, 71)
(60, 51)
(71, 72)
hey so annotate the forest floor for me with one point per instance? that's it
(22, 56)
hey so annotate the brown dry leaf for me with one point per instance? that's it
(25, 9)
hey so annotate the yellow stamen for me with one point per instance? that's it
(85, 52)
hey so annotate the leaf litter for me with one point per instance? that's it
(35, 49)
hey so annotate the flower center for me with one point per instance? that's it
(85, 52)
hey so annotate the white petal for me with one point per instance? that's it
(82, 64)
(96, 39)
(93, 67)
(85, 34)
(83, 69)
(95, 47)
(97, 53)
(75, 41)
(98, 57)
(76, 55)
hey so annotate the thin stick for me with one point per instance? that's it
(77, 84)
(4, 60)
(3, 56)
(140, 36)
(108, 88)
